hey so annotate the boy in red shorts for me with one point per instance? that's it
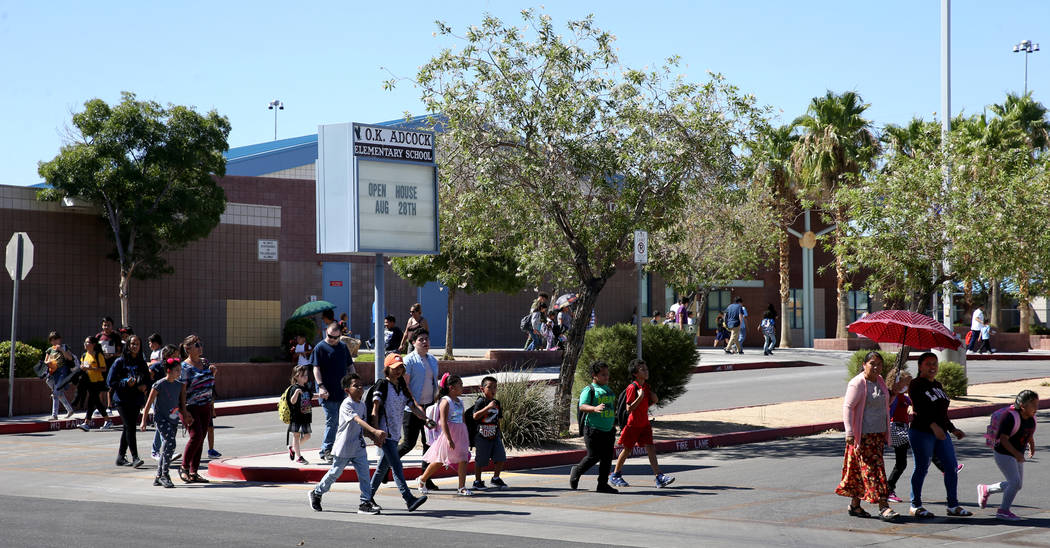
(638, 430)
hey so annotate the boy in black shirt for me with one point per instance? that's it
(489, 439)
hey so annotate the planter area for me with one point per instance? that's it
(850, 344)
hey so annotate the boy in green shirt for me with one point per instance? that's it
(598, 402)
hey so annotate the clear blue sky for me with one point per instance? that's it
(324, 58)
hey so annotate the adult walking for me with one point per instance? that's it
(536, 323)
(93, 364)
(330, 360)
(199, 377)
(929, 437)
(128, 379)
(866, 417)
(976, 324)
(416, 321)
(734, 317)
(421, 374)
(60, 363)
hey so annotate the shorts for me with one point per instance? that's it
(487, 450)
(636, 435)
(302, 428)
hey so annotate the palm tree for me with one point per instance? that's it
(773, 148)
(836, 146)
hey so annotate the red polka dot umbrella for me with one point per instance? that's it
(903, 327)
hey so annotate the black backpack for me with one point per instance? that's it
(472, 425)
(526, 323)
(383, 386)
(581, 417)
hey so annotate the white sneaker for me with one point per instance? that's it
(423, 488)
(464, 492)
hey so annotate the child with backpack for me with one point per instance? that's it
(349, 447)
(1010, 430)
(452, 448)
(635, 426)
(597, 403)
(300, 426)
(488, 439)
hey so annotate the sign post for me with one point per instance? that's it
(19, 262)
(641, 257)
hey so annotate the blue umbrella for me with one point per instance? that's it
(311, 308)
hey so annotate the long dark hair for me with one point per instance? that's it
(95, 352)
(446, 382)
(133, 359)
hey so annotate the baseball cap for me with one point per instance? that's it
(392, 360)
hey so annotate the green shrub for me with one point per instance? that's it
(1037, 329)
(25, 358)
(669, 353)
(528, 411)
(295, 327)
(953, 377)
(855, 363)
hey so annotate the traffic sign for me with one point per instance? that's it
(12, 254)
(641, 247)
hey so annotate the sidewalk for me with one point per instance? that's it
(673, 433)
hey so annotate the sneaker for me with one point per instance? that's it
(663, 480)
(156, 482)
(155, 455)
(291, 454)
(604, 488)
(107, 425)
(893, 497)
(213, 454)
(982, 496)
(366, 508)
(617, 480)
(464, 492)
(375, 504)
(416, 503)
(122, 461)
(1007, 515)
(136, 463)
(574, 480)
(959, 468)
(301, 460)
(54, 417)
(479, 485)
(96, 414)
(85, 426)
(165, 481)
(498, 483)
(315, 501)
(423, 488)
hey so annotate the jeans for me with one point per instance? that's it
(331, 423)
(58, 396)
(599, 450)
(536, 342)
(338, 464)
(1013, 471)
(770, 342)
(388, 460)
(925, 446)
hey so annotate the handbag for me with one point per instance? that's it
(899, 434)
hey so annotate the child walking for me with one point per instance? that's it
(488, 441)
(986, 338)
(349, 447)
(1016, 430)
(302, 417)
(638, 430)
(168, 396)
(453, 445)
(598, 402)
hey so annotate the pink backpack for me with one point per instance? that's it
(991, 434)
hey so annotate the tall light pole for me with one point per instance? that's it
(275, 105)
(1026, 47)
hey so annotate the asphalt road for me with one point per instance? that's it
(773, 494)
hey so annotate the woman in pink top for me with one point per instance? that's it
(866, 416)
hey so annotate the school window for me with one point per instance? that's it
(859, 304)
(717, 301)
(795, 308)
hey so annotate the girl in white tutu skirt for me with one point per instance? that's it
(452, 447)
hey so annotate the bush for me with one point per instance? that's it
(670, 354)
(953, 377)
(1037, 329)
(292, 329)
(25, 358)
(528, 411)
(856, 361)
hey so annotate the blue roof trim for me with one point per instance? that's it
(269, 146)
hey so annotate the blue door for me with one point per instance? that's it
(434, 298)
(336, 287)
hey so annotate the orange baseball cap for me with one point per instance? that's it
(392, 360)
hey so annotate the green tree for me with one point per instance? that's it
(150, 171)
(836, 147)
(574, 152)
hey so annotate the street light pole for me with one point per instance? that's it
(1026, 47)
(275, 105)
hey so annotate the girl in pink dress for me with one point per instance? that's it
(452, 447)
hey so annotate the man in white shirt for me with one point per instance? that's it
(976, 323)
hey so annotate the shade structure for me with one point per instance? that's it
(903, 327)
(565, 300)
(311, 308)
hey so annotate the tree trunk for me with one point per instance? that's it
(1024, 299)
(573, 349)
(968, 293)
(123, 292)
(785, 290)
(701, 308)
(840, 273)
(993, 303)
(448, 324)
